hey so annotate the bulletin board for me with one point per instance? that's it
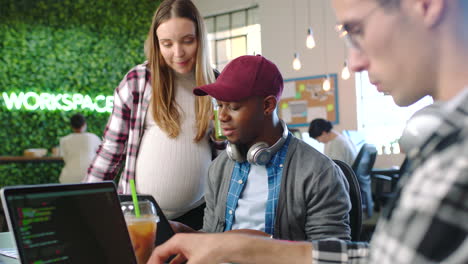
(303, 100)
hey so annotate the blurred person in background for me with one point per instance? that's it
(337, 146)
(78, 150)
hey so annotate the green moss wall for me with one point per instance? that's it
(62, 46)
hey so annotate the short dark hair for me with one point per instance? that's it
(77, 121)
(318, 126)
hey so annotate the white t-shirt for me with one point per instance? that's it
(173, 170)
(341, 148)
(77, 150)
(251, 206)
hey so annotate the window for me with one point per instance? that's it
(232, 35)
(380, 120)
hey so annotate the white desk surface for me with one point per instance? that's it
(7, 242)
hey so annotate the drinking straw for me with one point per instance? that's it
(134, 198)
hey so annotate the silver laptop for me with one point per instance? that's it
(71, 223)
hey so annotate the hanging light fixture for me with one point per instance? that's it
(310, 41)
(296, 61)
(326, 83)
(326, 86)
(345, 74)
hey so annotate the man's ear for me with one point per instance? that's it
(431, 11)
(269, 104)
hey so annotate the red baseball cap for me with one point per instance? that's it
(244, 77)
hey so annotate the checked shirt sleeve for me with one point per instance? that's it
(334, 251)
(110, 154)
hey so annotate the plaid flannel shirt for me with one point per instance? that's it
(239, 179)
(124, 130)
(428, 221)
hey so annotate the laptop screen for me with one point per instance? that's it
(77, 223)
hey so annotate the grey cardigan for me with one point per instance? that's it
(313, 201)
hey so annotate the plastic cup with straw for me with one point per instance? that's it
(134, 198)
(142, 222)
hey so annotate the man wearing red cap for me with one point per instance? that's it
(267, 179)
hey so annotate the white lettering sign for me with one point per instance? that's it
(66, 102)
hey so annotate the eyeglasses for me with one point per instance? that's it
(352, 33)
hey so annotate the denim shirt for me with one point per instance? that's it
(238, 181)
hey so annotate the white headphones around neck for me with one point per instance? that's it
(259, 153)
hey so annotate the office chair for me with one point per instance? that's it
(362, 167)
(355, 215)
(384, 183)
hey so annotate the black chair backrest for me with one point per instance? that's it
(355, 215)
(385, 183)
(362, 167)
(365, 160)
(404, 166)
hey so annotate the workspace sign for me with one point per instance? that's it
(32, 101)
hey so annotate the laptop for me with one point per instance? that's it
(68, 223)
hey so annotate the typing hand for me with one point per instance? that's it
(197, 248)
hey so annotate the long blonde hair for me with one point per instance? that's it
(166, 112)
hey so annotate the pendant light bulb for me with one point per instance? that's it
(326, 84)
(296, 62)
(345, 74)
(310, 41)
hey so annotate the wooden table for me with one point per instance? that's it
(24, 159)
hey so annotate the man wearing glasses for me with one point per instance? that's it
(411, 48)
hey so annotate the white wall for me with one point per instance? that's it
(279, 23)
